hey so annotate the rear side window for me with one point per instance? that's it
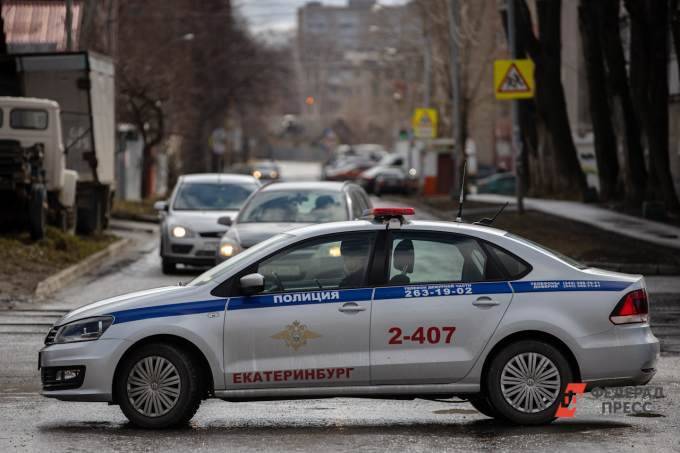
(28, 119)
(418, 259)
(514, 267)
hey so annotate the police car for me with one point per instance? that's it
(381, 307)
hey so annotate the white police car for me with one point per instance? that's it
(380, 308)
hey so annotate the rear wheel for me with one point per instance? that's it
(526, 380)
(37, 212)
(158, 386)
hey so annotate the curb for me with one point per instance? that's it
(65, 276)
(147, 218)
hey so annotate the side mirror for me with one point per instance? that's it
(252, 284)
(160, 206)
(225, 220)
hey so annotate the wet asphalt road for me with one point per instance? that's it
(29, 422)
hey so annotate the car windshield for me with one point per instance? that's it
(556, 254)
(212, 196)
(295, 207)
(225, 268)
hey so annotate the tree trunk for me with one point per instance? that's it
(658, 103)
(569, 176)
(566, 177)
(636, 176)
(590, 21)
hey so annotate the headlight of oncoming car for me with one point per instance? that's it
(87, 329)
(179, 231)
(229, 249)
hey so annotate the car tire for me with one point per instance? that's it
(483, 405)
(514, 370)
(174, 390)
(168, 266)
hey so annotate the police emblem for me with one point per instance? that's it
(296, 335)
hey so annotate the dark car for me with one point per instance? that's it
(264, 170)
(500, 183)
(283, 206)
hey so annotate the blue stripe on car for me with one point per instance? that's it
(365, 294)
(300, 298)
(161, 311)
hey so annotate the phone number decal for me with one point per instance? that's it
(438, 290)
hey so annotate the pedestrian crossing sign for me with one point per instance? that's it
(513, 79)
(424, 123)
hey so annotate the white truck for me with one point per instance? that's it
(57, 143)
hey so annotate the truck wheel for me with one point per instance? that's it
(90, 218)
(526, 382)
(37, 213)
(158, 386)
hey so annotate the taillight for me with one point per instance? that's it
(632, 308)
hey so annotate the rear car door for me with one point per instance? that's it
(310, 326)
(442, 300)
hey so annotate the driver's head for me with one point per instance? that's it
(353, 253)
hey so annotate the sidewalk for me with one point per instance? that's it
(626, 225)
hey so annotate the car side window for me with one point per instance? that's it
(438, 258)
(514, 267)
(334, 263)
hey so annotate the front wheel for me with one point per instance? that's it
(526, 381)
(158, 386)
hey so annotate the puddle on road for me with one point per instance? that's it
(454, 411)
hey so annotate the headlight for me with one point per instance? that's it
(87, 329)
(273, 174)
(257, 174)
(179, 232)
(229, 249)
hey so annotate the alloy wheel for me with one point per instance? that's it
(530, 382)
(153, 386)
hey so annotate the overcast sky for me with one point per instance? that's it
(281, 14)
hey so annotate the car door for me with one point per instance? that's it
(442, 300)
(310, 326)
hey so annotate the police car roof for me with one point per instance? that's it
(368, 225)
(218, 177)
(332, 186)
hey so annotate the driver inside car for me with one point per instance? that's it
(354, 253)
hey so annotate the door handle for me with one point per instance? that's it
(485, 302)
(351, 307)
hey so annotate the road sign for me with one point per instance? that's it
(424, 123)
(218, 141)
(513, 79)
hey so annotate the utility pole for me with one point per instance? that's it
(68, 25)
(427, 69)
(457, 116)
(514, 115)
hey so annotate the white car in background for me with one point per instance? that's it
(189, 230)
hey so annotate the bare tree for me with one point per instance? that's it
(558, 162)
(649, 85)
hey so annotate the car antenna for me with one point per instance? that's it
(459, 216)
(487, 221)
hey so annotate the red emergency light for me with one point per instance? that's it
(392, 212)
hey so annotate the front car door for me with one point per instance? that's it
(310, 326)
(443, 297)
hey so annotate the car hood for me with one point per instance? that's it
(249, 234)
(125, 302)
(200, 221)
